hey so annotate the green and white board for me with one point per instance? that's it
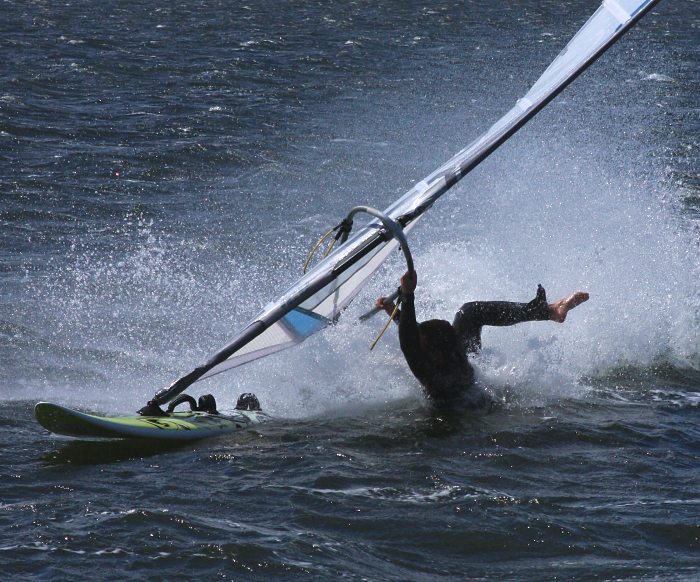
(183, 426)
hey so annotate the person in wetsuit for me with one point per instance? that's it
(436, 352)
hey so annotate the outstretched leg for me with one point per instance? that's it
(474, 315)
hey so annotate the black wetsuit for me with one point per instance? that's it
(436, 351)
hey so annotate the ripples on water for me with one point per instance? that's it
(164, 171)
(394, 493)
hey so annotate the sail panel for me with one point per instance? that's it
(315, 312)
(293, 328)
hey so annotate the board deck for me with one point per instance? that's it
(182, 426)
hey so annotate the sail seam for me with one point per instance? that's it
(614, 8)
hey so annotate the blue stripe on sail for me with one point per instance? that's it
(304, 323)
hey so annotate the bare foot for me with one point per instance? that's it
(558, 310)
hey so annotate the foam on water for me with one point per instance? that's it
(157, 305)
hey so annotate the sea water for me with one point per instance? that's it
(166, 169)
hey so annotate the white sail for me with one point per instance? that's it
(317, 299)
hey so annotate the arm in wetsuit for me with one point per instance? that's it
(409, 337)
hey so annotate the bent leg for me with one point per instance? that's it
(474, 315)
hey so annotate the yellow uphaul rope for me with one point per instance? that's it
(318, 244)
(386, 326)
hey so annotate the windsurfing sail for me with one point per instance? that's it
(317, 299)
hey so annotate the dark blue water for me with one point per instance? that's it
(165, 170)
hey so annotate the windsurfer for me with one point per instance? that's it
(436, 352)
